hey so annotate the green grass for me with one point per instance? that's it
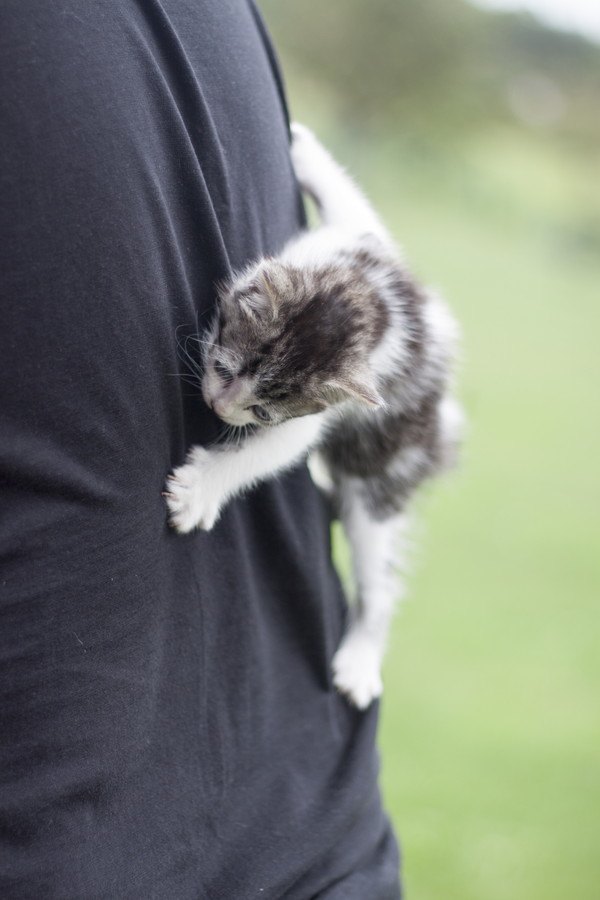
(490, 729)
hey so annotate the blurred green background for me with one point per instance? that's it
(477, 136)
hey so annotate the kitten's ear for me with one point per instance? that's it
(269, 290)
(262, 300)
(360, 386)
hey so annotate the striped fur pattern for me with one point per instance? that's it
(331, 348)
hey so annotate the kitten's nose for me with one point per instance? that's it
(225, 401)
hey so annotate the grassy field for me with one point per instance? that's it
(491, 730)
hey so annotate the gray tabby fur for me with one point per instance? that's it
(332, 348)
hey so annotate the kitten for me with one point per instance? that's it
(330, 347)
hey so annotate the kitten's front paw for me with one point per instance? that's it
(191, 495)
(357, 670)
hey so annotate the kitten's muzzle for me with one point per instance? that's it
(226, 403)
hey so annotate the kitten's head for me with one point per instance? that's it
(288, 342)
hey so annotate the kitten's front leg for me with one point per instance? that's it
(197, 491)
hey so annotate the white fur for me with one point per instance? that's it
(388, 356)
(340, 201)
(442, 330)
(316, 248)
(197, 491)
(374, 546)
(452, 421)
(409, 462)
(320, 473)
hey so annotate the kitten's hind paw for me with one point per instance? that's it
(300, 132)
(190, 494)
(357, 670)
(307, 155)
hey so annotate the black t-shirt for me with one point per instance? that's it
(169, 728)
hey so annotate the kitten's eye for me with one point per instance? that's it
(261, 414)
(222, 371)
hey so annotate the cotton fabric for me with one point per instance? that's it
(168, 723)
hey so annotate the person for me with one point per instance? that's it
(169, 726)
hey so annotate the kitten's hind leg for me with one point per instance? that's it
(338, 199)
(375, 549)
